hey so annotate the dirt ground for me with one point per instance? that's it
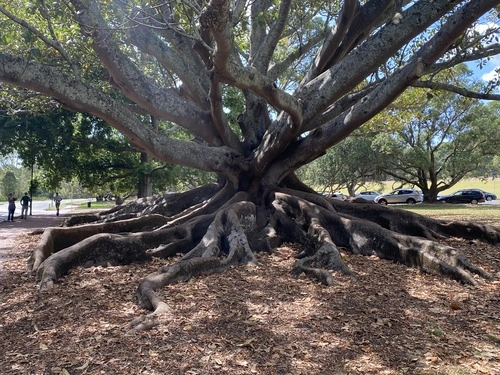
(257, 320)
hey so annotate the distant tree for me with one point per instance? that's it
(349, 165)
(442, 138)
(9, 183)
(67, 146)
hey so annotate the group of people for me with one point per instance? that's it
(25, 203)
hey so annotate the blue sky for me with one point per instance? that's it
(488, 71)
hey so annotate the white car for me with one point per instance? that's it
(368, 195)
(409, 196)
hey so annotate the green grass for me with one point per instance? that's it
(97, 205)
(487, 214)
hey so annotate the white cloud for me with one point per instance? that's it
(491, 75)
(481, 28)
(490, 67)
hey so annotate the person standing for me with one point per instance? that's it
(12, 206)
(25, 203)
(57, 200)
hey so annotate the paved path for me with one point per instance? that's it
(9, 232)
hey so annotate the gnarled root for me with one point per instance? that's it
(101, 249)
(124, 248)
(224, 244)
(225, 230)
(406, 222)
(57, 238)
(437, 259)
(302, 222)
(321, 255)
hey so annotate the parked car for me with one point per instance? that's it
(368, 195)
(489, 196)
(473, 196)
(409, 196)
(339, 196)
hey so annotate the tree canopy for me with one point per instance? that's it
(120, 60)
(442, 138)
(302, 76)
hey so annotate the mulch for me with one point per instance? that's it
(253, 320)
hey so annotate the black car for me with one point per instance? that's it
(472, 196)
(489, 196)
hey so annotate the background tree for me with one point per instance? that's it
(86, 150)
(9, 183)
(350, 165)
(443, 137)
(309, 74)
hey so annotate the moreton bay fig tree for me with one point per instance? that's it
(307, 73)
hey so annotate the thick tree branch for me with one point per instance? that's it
(80, 97)
(265, 52)
(229, 138)
(216, 18)
(372, 15)
(324, 90)
(326, 136)
(337, 33)
(163, 103)
(277, 69)
(53, 43)
(197, 84)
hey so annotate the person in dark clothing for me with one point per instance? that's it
(25, 203)
(57, 200)
(12, 206)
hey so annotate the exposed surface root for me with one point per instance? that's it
(102, 249)
(409, 223)
(217, 233)
(168, 204)
(57, 238)
(438, 259)
(207, 207)
(224, 244)
(321, 255)
(369, 238)
(124, 248)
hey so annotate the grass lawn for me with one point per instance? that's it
(97, 205)
(477, 213)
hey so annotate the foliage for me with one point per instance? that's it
(428, 139)
(350, 165)
(232, 77)
(66, 146)
(442, 138)
(9, 183)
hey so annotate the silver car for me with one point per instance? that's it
(368, 195)
(409, 196)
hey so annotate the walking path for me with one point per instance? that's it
(9, 232)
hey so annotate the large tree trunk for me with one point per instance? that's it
(216, 228)
(144, 185)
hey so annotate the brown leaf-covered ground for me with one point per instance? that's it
(257, 320)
